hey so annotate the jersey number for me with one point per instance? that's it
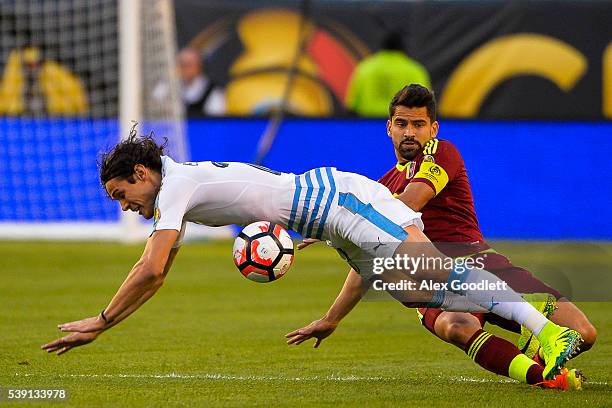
(257, 166)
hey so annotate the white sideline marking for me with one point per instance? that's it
(215, 377)
(481, 380)
(209, 376)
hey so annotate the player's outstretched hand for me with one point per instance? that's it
(318, 329)
(306, 242)
(91, 324)
(69, 342)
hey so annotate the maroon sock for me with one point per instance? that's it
(495, 354)
(535, 374)
(506, 324)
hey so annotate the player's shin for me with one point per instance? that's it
(502, 357)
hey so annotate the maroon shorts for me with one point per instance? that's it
(519, 279)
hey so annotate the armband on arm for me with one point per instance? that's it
(434, 174)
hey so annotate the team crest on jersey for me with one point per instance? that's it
(410, 169)
(429, 158)
(156, 215)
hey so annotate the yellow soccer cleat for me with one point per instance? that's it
(558, 344)
(546, 304)
(565, 380)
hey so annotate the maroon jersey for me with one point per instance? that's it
(449, 216)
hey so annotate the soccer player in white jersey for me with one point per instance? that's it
(358, 216)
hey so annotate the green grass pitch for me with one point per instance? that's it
(212, 338)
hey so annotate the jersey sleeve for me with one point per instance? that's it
(179, 240)
(439, 166)
(171, 204)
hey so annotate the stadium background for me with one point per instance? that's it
(536, 140)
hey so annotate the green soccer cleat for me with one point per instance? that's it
(546, 304)
(558, 344)
(566, 380)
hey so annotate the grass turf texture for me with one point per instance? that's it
(211, 337)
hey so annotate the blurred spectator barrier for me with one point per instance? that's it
(531, 180)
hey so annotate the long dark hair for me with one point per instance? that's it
(120, 161)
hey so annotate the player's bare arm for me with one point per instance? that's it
(145, 278)
(417, 195)
(143, 281)
(349, 296)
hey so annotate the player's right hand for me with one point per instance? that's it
(69, 342)
(319, 329)
(306, 242)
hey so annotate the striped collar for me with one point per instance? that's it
(401, 167)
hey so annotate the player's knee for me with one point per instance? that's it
(457, 331)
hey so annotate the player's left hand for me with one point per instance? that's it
(91, 324)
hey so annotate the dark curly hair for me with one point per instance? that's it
(120, 161)
(415, 96)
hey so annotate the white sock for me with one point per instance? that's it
(496, 296)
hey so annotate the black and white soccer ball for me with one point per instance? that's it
(263, 251)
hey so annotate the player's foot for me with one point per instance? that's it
(559, 344)
(546, 304)
(565, 380)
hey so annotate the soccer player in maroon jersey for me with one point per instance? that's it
(430, 177)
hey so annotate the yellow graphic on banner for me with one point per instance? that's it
(270, 38)
(504, 58)
(607, 82)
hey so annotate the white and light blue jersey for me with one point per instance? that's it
(220, 193)
(216, 194)
(347, 209)
(315, 192)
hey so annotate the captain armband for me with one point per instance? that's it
(433, 173)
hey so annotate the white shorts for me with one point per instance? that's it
(366, 221)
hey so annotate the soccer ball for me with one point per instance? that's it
(263, 251)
